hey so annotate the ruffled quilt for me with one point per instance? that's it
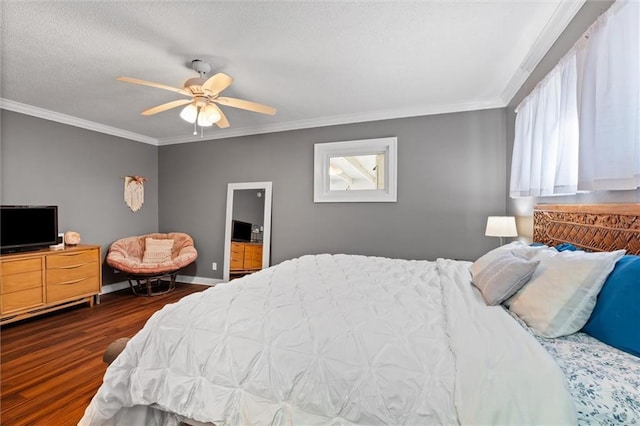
(331, 340)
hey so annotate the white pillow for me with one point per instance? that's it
(157, 250)
(516, 247)
(561, 294)
(503, 277)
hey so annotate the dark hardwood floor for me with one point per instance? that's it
(51, 366)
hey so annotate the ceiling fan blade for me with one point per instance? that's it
(166, 106)
(218, 83)
(222, 123)
(248, 105)
(152, 84)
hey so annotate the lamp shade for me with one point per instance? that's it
(189, 113)
(501, 226)
(209, 115)
(203, 122)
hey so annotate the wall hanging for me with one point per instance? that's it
(134, 191)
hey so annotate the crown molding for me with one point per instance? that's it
(247, 131)
(338, 120)
(73, 121)
(557, 23)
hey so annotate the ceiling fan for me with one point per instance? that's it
(204, 94)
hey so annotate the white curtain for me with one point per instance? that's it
(545, 151)
(609, 87)
(579, 129)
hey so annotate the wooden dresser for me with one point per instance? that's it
(37, 282)
(245, 258)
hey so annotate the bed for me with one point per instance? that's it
(344, 339)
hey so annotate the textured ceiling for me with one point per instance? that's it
(318, 63)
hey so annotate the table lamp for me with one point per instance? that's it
(501, 226)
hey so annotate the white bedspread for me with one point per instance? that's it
(335, 339)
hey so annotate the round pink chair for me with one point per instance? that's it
(149, 276)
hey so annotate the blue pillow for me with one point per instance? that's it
(566, 247)
(616, 317)
(559, 247)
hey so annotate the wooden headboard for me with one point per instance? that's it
(593, 227)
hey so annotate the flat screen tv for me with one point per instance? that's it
(240, 231)
(27, 227)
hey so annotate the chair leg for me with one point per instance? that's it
(172, 281)
(144, 284)
(132, 286)
(148, 282)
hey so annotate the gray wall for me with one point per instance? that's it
(44, 162)
(523, 207)
(451, 174)
(247, 206)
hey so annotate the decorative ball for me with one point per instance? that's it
(114, 349)
(71, 238)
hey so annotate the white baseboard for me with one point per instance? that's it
(110, 288)
(198, 280)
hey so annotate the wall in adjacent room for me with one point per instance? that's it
(523, 207)
(80, 171)
(451, 174)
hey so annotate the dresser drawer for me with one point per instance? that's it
(253, 252)
(21, 300)
(72, 288)
(253, 255)
(236, 263)
(237, 256)
(254, 259)
(71, 273)
(22, 281)
(253, 264)
(71, 259)
(19, 266)
(42, 281)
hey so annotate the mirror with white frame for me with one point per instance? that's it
(247, 239)
(355, 171)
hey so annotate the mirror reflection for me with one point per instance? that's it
(357, 172)
(247, 229)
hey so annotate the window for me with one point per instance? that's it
(355, 171)
(579, 129)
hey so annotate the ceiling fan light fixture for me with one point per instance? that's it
(210, 114)
(203, 122)
(189, 113)
(201, 108)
